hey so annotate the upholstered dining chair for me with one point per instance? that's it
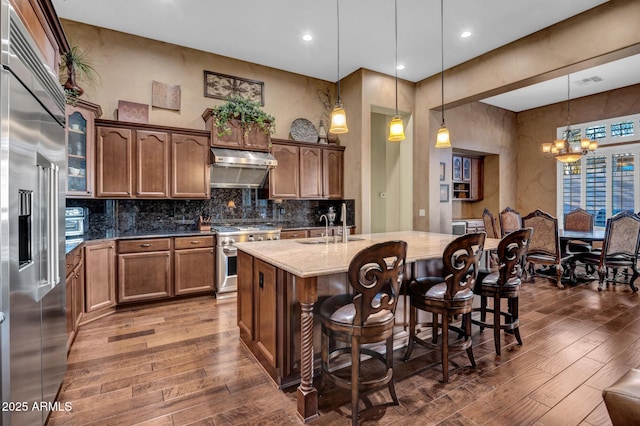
(544, 248)
(504, 284)
(582, 221)
(366, 316)
(492, 230)
(619, 249)
(510, 221)
(446, 296)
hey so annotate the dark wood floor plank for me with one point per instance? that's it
(181, 363)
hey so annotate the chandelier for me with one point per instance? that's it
(572, 147)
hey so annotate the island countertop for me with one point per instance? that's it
(304, 260)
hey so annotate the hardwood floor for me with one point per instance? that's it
(182, 363)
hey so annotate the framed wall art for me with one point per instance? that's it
(165, 95)
(222, 86)
(444, 193)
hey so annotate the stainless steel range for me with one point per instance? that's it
(226, 252)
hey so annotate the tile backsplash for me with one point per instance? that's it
(225, 206)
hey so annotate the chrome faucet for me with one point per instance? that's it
(343, 215)
(326, 227)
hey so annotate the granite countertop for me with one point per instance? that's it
(309, 259)
(130, 235)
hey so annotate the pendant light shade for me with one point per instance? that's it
(396, 129)
(338, 115)
(396, 126)
(442, 139)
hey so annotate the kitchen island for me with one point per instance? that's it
(279, 282)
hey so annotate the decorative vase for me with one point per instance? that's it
(70, 86)
(322, 133)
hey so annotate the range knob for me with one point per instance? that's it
(251, 238)
(260, 238)
(231, 241)
(275, 237)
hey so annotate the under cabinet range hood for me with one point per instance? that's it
(233, 168)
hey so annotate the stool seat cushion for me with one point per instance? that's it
(622, 399)
(340, 309)
(434, 288)
(491, 280)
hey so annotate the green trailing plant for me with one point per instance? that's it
(76, 66)
(246, 112)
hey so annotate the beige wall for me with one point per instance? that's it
(128, 64)
(536, 174)
(569, 46)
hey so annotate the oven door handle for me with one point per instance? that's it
(230, 251)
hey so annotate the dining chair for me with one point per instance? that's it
(582, 221)
(447, 296)
(510, 221)
(504, 284)
(619, 249)
(491, 228)
(544, 248)
(365, 316)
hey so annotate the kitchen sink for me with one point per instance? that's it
(331, 241)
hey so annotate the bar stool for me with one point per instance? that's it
(446, 296)
(366, 316)
(504, 284)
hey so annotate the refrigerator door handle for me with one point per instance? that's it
(54, 257)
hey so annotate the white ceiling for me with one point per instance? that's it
(270, 33)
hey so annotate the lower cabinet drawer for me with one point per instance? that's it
(193, 242)
(289, 235)
(145, 245)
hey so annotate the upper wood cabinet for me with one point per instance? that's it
(467, 178)
(145, 161)
(80, 137)
(253, 140)
(190, 166)
(306, 171)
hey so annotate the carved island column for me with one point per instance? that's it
(307, 292)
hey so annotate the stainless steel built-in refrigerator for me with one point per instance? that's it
(32, 181)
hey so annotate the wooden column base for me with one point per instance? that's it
(308, 405)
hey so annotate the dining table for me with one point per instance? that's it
(596, 235)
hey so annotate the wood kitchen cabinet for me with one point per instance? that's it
(255, 139)
(194, 261)
(75, 292)
(190, 166)
(467, 178)
(264, 286)
(145, 161)
(144, 269)
(245, 297)
(80, 136)
(100, 280)
(306, 171)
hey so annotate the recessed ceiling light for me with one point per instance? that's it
(400, 67)
(465, 34)
(307, 37)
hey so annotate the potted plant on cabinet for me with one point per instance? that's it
(240, 121)
(74, 63)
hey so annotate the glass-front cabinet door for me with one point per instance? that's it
(80, 148)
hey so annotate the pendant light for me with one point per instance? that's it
(396, 127)
(568, 150)
(338, 116)
(442, 140)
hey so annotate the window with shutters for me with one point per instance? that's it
(603, 183)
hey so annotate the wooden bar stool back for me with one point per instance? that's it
(447, 296)
(504, 284)
(366, 316)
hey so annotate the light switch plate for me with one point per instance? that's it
(421, 212)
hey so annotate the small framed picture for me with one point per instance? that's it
(442, 171)
(466, 168)
(457, 168)
(444, 193)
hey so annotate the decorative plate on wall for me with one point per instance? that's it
(302, 130)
